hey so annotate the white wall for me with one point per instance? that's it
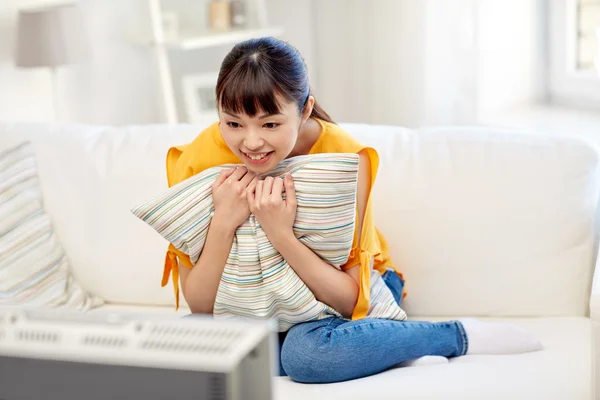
(23, 94)
(403, 62)
(370, 59)
(297, 18)
(511, 53)
(114, 86)
(293, 15)
(451, 63)
(119, 84)
(430, 62)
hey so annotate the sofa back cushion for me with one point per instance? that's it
(481, 222)
(487, 222)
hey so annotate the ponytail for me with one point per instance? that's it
(318, 112)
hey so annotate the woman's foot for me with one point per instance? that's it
(498, 338)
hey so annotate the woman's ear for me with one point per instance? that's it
(308, 108)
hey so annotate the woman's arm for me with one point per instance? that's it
(338, 289)
(335, 288)
(201, 283)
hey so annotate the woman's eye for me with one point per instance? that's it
(233, 125)
(271, 125)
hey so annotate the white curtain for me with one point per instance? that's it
(428, 62)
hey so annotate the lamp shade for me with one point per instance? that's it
(50, 36)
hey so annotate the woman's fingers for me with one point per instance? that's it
(250, 189)
(277, 190)
(290, 191)
(262, 192)
(238, 174)
(252, 185)
(245, 181)
(258, 192)
(223, 175)
(267, 188)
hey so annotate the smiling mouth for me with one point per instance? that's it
(258, 156)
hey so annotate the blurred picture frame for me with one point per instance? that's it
(200, 98)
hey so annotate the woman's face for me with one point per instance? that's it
(262, 141)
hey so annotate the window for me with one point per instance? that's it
(572, 47)
(588, 22)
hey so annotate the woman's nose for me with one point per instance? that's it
(253, 141)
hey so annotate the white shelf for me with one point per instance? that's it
(161, 44)
(218, 39)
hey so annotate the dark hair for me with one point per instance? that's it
(257, 70)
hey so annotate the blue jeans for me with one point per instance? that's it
(335, 349)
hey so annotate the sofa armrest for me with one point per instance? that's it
(595, 294)
(595, 319)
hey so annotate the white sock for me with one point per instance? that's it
(425, 360)
(498, 338)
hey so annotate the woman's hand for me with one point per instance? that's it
(275, 215)
(230, 191)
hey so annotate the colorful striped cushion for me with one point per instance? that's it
(257, 282)
(34, 270)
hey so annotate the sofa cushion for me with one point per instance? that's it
(486, 221)
(34, 270)
(563, 370)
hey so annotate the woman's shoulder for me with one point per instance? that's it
(186, 160)
(335, 139)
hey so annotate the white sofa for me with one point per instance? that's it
(483, 222)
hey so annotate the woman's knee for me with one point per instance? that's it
(310, 365)
(305, 356)
(299, 359)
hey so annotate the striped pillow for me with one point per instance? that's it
(257, 282)
(34, 270)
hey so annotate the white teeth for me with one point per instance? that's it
(257, 157)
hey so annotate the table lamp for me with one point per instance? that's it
(50, 37)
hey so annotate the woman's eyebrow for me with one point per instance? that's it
(231, 115)
(263, 116)
(269, 115)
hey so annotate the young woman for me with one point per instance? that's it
(267, 114)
